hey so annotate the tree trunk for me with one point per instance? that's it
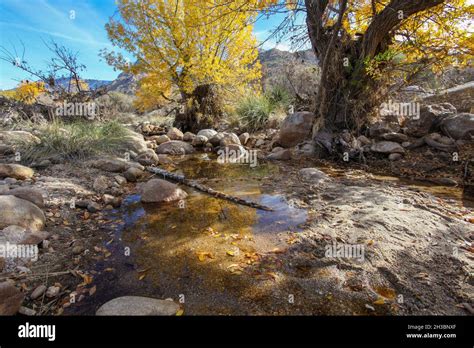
(202, 109)
(347, 95)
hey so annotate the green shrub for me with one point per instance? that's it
(254, 112)
(279, 97)
(74, 141)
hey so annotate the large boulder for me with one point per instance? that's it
(387, 147)
(429, 119)
(133, 141)
(460, 126)
(295, 128)
(10, 298)
(17, 211)
(16, 171)
(137, 305)
(33, 195)
(157, 190)
(208, 133)
(175, 134)
(175, 147)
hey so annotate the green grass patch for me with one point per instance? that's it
(74, 141)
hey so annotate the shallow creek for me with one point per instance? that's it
(198, 253)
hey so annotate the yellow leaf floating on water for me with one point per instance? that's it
(230, 253)
(180, 312)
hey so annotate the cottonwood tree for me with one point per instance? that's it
(365, 46)
(184, 45)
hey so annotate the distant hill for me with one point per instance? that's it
(93, 84)
(273, 62)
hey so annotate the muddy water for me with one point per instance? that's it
(213, 256)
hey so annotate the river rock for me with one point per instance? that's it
(20, 235)
(133, 141)
(460, 126)
(430, 117)
(175, 147)
(148, 158)
(39, 291)
(295, 128)
(314, 175)
(115, 165)
(17, 211)
(216, 139)
(208, 133)
(395, 156)
(15, 137)
(160, 139)
(189, 137)
(229, 138)
(396, 137)
(13, 234)
(244, 137)
(282, 155)
(120, 180)
(199, 140)
(133, 174)
(175, 134)
(101, 183)
(387, 147)
(30, 194)
(232, 153)
(10, 298)
(52, 291)
(137, 306)
(16, 171)
(379, 128)
(157, 190)
(93, 207)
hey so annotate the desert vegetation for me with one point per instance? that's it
(211, 158)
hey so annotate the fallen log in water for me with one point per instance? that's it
(190, 183)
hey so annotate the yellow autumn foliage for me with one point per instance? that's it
(27, 91)
(183, 44)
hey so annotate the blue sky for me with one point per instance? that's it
(76, 24)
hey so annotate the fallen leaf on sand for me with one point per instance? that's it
(204, 255)
(379, 301)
